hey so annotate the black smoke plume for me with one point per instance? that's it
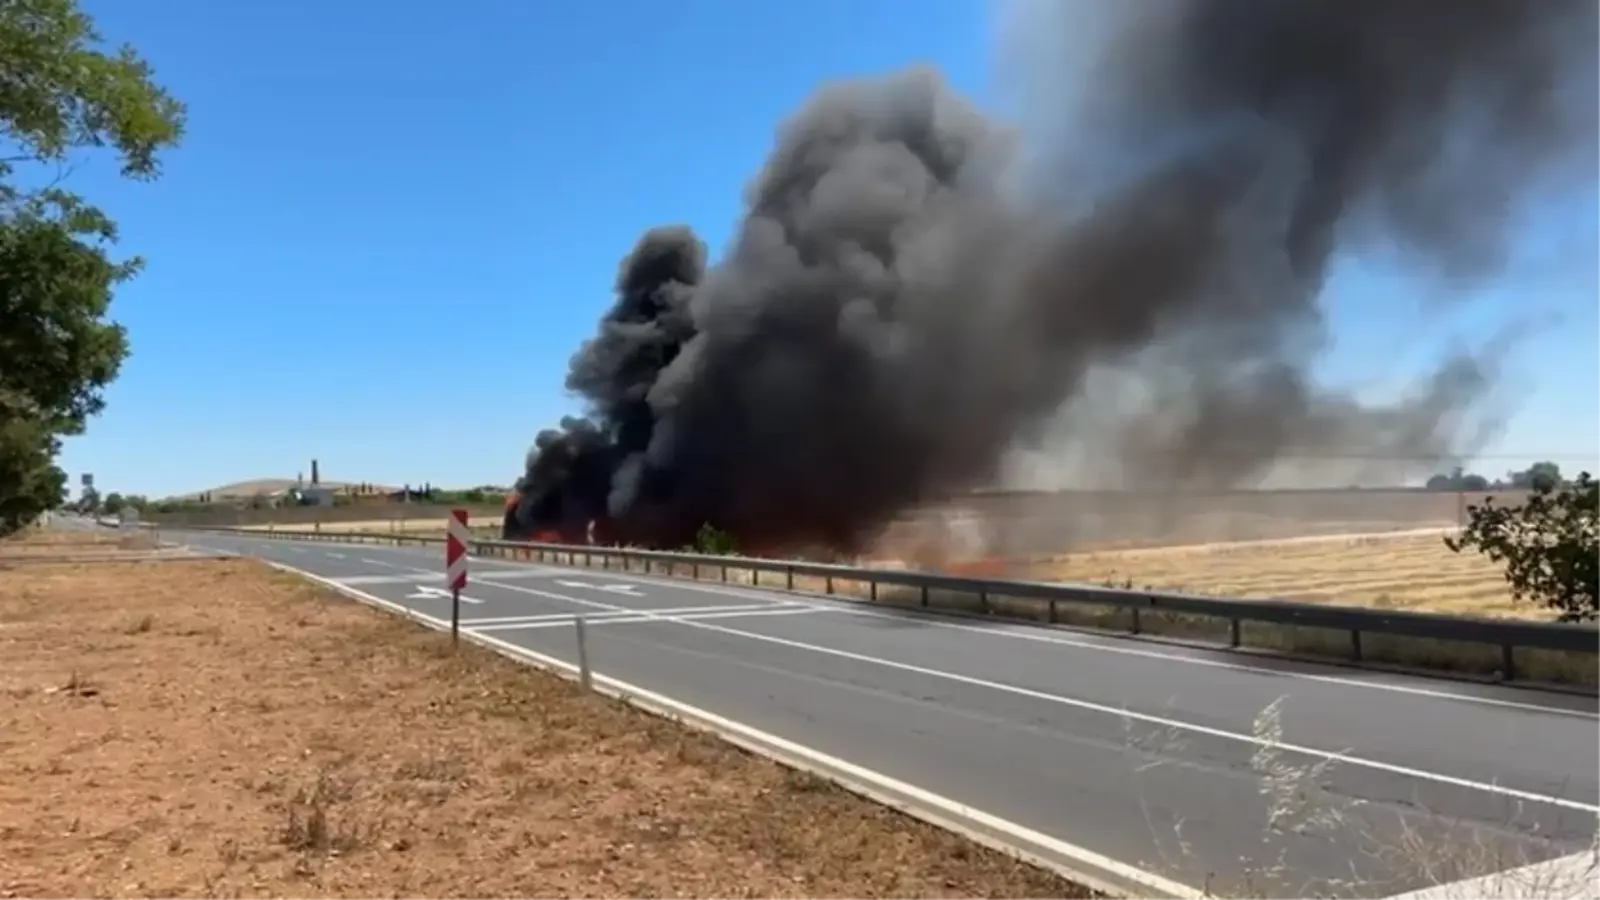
(915, 288)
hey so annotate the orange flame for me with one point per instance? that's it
(991, 567)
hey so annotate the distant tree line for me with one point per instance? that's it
(363, 493)
(1540, 475)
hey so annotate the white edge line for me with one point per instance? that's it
(980, 827)
(1024, 631)
(1033, 632)
(1091, 706)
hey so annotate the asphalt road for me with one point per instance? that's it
(1160, 757)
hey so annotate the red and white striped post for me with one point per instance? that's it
(456, 540)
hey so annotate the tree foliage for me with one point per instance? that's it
(61, 91)
(1549, 545)
(29, 482)
(1458, 480)
(713, 541)
(57, 350)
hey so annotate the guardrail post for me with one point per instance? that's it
(924, 595)
(872, 590)
(983, 600)
(1051, 617)
(828, 584)
(1234, 637)
(1508, 662)
(788, 574)
(455, 617)
(724, 571)
(694, 571)
(1355, 644)
(1135, 618)
(585, 678)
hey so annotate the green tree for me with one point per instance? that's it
(1549, 545)
(113, 503)
(30, 483)
(713, 541)
(61, 91)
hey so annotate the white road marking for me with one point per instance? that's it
(1124, 714)
(520, 572)
(433, 593)
(566, 621)
(598, 616)
(1110, 644)
(620, 588)
(935, 808)
(1573, 877)
(1024, 632)
(379, 562)
(336, 555)
(407, 578)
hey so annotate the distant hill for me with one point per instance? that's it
(269, 486)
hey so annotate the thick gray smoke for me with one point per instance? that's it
(913, 288)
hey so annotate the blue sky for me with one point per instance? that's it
(387, 229)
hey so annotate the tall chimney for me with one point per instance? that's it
(315, 478)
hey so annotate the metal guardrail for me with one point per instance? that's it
(1508, 635)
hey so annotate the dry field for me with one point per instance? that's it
(234, 731)
(1414, 571)
(1043, 522)
(40, 544)
(1354, 548)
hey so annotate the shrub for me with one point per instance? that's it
(1550, 545)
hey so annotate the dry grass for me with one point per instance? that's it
(41, 545)
(1413, 572)
(221, 729)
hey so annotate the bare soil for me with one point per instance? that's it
(217, 728)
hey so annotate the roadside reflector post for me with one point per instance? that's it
(457, 537)
(585, 679)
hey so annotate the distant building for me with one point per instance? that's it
(309, 495)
